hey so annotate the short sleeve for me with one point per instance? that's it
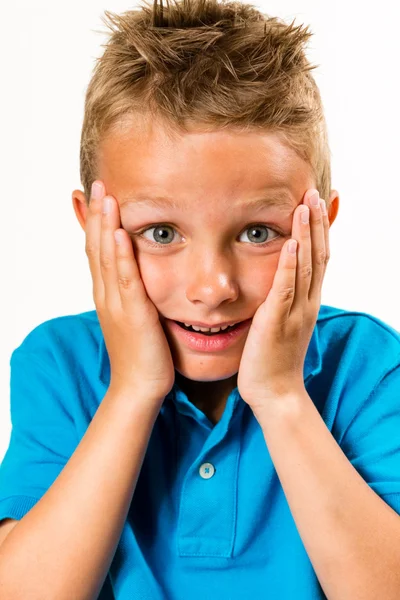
(43, 435)
(371, 441)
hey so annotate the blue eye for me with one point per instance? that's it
(161, 237)
(265, 238)
(158, 233)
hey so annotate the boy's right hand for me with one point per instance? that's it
(140, 358)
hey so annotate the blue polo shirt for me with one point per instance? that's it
(208, 518)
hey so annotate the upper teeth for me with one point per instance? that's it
(206, 329)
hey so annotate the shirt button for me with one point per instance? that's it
(206, 470)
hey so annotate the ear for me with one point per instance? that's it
(333, 206)
(80, 207)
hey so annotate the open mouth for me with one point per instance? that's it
(190, 328)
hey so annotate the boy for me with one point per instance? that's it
(148, 460)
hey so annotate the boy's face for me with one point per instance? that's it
(208, 266)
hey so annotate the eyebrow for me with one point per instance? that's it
(281, 198)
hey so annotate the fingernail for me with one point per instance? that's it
(97, 190)
(314, 199)
(106, 205)
(323, 207)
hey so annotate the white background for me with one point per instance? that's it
(47, 53)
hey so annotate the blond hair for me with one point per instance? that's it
(208, 63)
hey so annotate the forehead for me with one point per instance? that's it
(146, 160)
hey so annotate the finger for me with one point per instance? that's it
(92, 241)
(280, 298)
(318, 251)
(131, 287)
(110, 221)
(301, 232)
(325, 218)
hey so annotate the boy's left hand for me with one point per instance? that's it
(272, 361)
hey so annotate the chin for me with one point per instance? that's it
(202, 376)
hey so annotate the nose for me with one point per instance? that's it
(212, 285)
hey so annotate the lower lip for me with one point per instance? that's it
(214, 343)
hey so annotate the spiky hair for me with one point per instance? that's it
(221, 65)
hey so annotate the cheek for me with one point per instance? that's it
(258, 276)
(157, 278)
